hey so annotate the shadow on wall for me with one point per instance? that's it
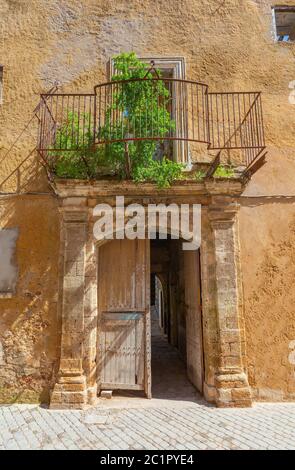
(29, 323)
(21, 168)
(254, 201)
(27, 176)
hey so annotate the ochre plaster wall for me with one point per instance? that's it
(29, 322)
(227, 44)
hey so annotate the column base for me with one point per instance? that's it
(209, 392)
(69, 396)
(233, 390)
(70, 390)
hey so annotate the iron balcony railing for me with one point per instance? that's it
(202, 122)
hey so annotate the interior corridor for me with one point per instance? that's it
(169, 376)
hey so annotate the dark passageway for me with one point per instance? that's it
(169, 376)
(169, 316)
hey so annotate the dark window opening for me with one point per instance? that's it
(284, 20)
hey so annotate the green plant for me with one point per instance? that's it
(224, 172)
(200, 174)
(80, 159)
(163, 173)
(142, 110)
(137, 108)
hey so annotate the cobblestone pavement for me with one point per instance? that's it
(189, 426)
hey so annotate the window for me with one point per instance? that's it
(171, 67)
(284, 21)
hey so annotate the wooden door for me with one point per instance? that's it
(124, 315)
(194, 337)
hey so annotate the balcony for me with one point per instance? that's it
(185, 122)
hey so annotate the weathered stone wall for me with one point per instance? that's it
(227, 44)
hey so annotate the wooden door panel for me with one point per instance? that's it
(194, 337)
(123, 305)
(122, 274)
(122, 340)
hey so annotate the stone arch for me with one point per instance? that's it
(111, 235)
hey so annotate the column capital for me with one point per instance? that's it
(222, 211)
(74, 209)
(74, 215)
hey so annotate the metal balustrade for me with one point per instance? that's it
(166, 110)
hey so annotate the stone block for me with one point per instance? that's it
(230, 362)
(224, 395)
(80, 268)
(62, 400)
(72, 282)
(71, 364)
(209, 392)
(235, 349)
(237, 380)
(75, 201)
(74, 253)
(229, 336)
(232, 322)
(106, 394)
(92, 395)
(71, 387)
(241, 394)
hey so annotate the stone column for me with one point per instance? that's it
(90, 360)
(70, 389)
(232, 388)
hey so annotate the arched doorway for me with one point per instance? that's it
(140, 281)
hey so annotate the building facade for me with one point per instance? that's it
(230, 308)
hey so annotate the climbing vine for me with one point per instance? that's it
(136, 109)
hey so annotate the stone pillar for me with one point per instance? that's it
(209, 320)
(90, 359)
(232, 388)
(70, 389)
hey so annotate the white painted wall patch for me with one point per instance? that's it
(8, 266)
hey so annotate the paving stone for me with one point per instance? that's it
(197, 426)
(95, 419)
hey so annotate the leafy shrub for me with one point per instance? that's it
(163, 173)
(224, 172)
(137, 108)
(199, 175)
(81, 158)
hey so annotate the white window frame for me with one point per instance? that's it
(275, 8)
